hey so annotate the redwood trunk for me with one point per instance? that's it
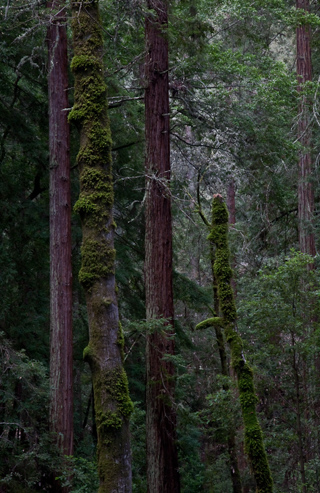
(162, 459)
(61, 383)
(305, 188)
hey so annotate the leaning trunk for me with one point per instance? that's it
(105, 349)
(61, 384)
(162, 461)
(305, 188)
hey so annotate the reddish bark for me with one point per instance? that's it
(61, 384)
(162, 459)
(305, 188)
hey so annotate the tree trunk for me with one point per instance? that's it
(305, 188)
(162, 460)
(105, 349)
(253, 435)
(61, 379)
(299, 420)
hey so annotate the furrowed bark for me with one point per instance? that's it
(162, 460)
(104, 352)
(61, 361)
(305, 187)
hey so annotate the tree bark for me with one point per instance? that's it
(61, 379)
(105, 349)
(162, 459)
(305, 188)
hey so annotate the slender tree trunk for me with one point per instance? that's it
(162, 460)
(105, 349)
(253, 435)
(299, 420)
(61, 379)
(231, 204)
(225, 370)
(305, 188)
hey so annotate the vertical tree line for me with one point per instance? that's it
(305, 185)
(162, 458)
(61, 353)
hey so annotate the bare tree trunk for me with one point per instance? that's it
(105, 349)
(305, 188)
(61, 379)
(162, 460)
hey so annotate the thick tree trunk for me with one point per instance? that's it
(162, 461)
(61, 379)
(105, 349)
(305, 188)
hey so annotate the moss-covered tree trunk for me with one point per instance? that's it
(162, 457)
(225, 370)
(223, 273)
(105, 349)
(61, 361)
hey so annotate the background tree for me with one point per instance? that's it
(305, 186)
(61, 360)
(162, 458)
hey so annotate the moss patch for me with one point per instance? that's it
(97, 261)
(115, 383)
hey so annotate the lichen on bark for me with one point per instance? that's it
(104, 352)
(253, 434)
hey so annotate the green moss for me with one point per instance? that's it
(115, 383)
(97, 261)
(210, 322)
(90, 102)
(85, 62)
(96, 179)
(108, 420)
(88, 354)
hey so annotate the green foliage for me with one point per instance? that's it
(80, 475)
(138, 433)
(27, 456)
(279, 318)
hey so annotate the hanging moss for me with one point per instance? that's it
(253, 435)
